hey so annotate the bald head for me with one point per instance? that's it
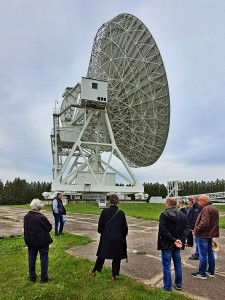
(203, 200)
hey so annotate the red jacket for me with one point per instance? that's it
(207, 223)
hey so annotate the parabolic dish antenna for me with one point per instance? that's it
(126, 56)
(121, 107)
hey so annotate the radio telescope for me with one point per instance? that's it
(120, 109)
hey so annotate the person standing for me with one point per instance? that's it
(206, 228)
(58, 212)
(112, 226)
(173, 229)
(192, 215)
(190, 241)
(181, 206)
(37, 239)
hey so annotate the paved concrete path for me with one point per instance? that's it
(144, 262)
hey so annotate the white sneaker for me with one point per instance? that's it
(210, 274)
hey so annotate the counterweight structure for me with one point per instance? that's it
(81, 133)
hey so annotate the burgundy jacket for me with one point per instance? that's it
(207, 223)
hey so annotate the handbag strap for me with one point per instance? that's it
(112, 217)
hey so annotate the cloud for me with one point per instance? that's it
(46, 46)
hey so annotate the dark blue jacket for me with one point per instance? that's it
(59, 207)
(183, 210)
(173, 226)
(192, 215)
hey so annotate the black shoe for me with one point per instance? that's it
(93, 273)
(198, 275)
(33, 279)
(210, 274)
(179, 288)
(193, 257)
(114, 278)
(44, 280)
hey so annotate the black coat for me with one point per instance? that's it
(173, 226)
(113, 229)
(183, 210)
(36, 230)
(192, 215)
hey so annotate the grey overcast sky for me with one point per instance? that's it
(45, 46)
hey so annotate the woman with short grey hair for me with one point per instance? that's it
(37, 239)
(36, 204)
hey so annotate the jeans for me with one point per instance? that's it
(32, 256)
(196, 254)
(166, 265)
(115, 265)
(58, 223)
(206, 256)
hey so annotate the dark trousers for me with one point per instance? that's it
(190, 241)
(32, 257)
(58, 223)
(115, 265)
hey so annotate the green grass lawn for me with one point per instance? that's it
(221, 208)
(70, 278)
(146, 211)
(222, 222)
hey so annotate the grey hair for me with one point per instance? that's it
(36, 204)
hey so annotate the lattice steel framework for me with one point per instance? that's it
(126, 55)
(132, 124)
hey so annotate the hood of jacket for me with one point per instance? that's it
(171, 213)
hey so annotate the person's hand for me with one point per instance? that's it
(178, 243)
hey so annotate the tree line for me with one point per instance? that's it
(187, 188)
(22, 192)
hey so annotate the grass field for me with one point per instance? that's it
(70, 278)
(146, 211)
